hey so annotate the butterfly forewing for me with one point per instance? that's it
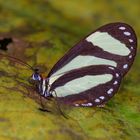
(115, 42)
(112, 45)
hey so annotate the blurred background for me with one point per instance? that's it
(42, 32)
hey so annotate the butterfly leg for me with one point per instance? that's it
(43, 108)
(58, 106)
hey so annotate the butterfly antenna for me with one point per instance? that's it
(18, 61)
(58, 105)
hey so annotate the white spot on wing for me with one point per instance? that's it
(132, 48)
(76, 104)
(108, 43)
(83, 104)
(122, 28)
(111, 68)
(110, 91)
(102, 97)
(89, 104)
(127, 33)
(97, 100)
(117, 75)
(125, 66)
(131, 40)
(130, 56)
(115, 83)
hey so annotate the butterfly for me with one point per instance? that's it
(90, 73)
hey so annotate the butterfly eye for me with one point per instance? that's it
(36, 77)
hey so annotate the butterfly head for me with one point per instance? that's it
(40, 81)
(36, 76)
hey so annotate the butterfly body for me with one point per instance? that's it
(90, 73)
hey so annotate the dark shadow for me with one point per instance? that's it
(4, 43)
(44, 110)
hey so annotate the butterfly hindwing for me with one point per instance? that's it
(92, 85)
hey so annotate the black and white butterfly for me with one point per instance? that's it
(90, 73)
